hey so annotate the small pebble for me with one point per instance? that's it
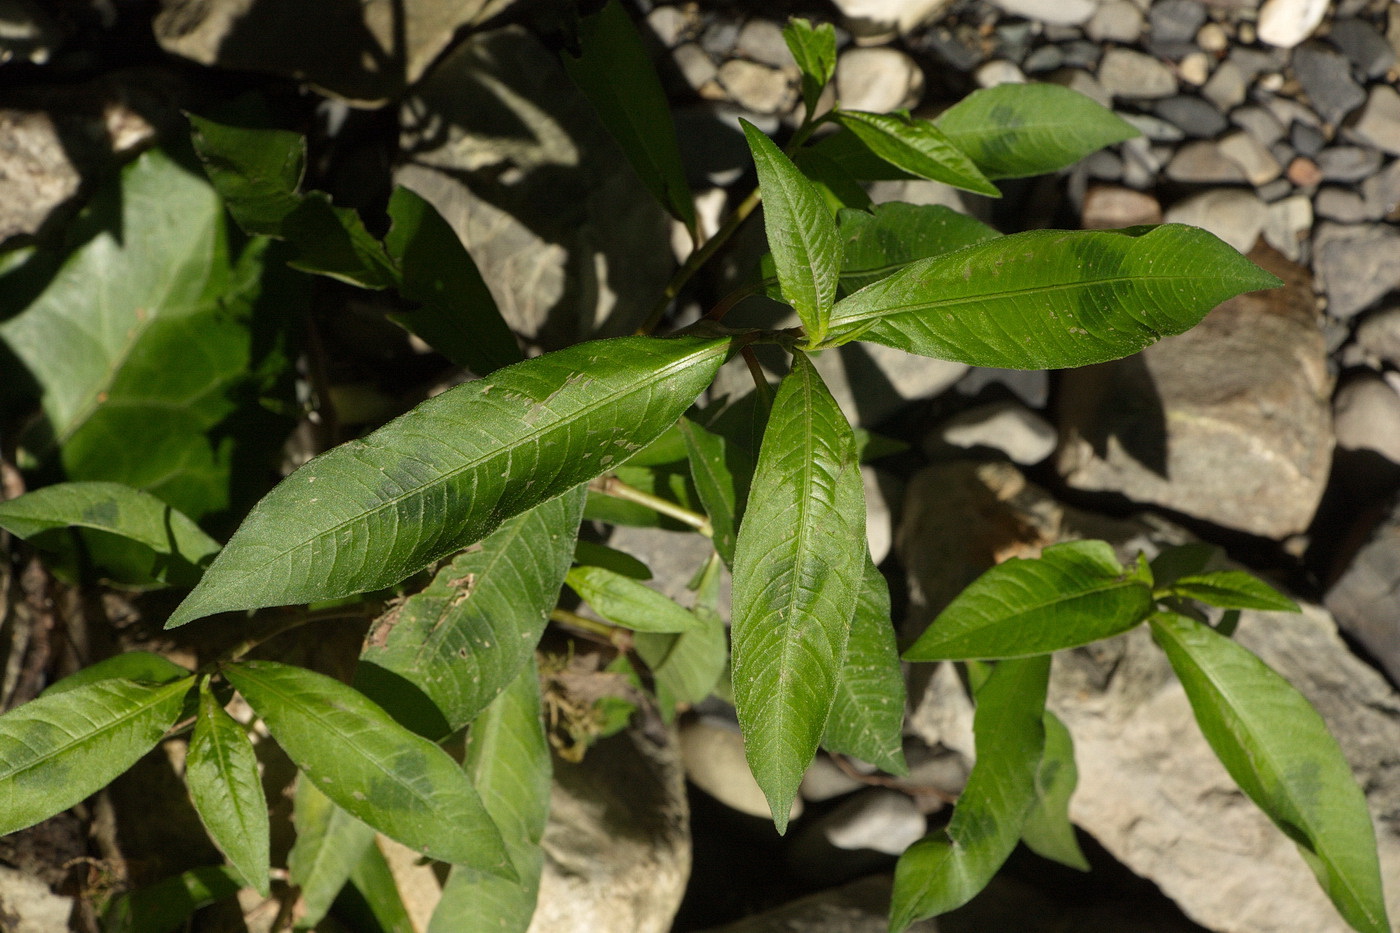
(1045, 58)
(1259, 123)
(1366, 48)
(1077, 79)
(1019, 433)
(756, 87)
(1355, 264)
(762, 41)
(1342, 205)
(1132, 75)
(1202, 162)
(719, 37)
(1175, 20)
(1326, 78)
(1082, 54)
(1379, 121)
(1155, 128)
(1378, 335)
(1194, 116)
(1054, 12)
(1194, 69)
(1306, 139)
(1348, 163)
(1226, 87)
(1110, 207)
(694, 64)
(1234, 215)
(1115, 21)
(1285, 23)
(1254, 160)
(878, 79)
(1212, 38)
(669, 24)
(1366, 416)
(1287, 223)
(1382, 192)
(1304, 173)
(998, 71)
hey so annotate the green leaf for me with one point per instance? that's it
(329, 844)
(1050, 298)
(166, 906)
(917, 147)
(58, 749)
(614, 72)
(800, 231)
(374, 881)
(1073, 594)
(256, 171)
(1015, 130)
(370, 512)
(879, 243)
(151, 280)
(592, 554)
(1232, 589)
(853, 158)
(945, 870)
(1278, 750)
(332, 241)
(509, 761)
(1182, 560)
(140, 666)
(436, 660)
(867, 716)
(458, 317)
(798, 566)
(722, 472)
(667, 449)
(1048, 831)
(166, 545)
(687, 666)
(814, 50)
(837, 187)
(221, 770)
(628, 603)
(400, 783)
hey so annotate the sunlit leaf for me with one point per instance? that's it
(884, 240)
(687, 666)
(814, 50)
(329, 844)
(1232, 589)
(917, 147)
(626, 602)
(140, 666)
(1048, 831)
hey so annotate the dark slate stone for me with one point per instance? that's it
(1082, 54)
(1325, 75)
(1348, 163)
(1045, 58)
(1308, 140)
(1175, 20)
(1370, 54)
(1197, 118)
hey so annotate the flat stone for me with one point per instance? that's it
(1176, 20)
(756, 87)
(720, 37)
(1077, 79)
(1363, 46)
(1196, 118)
(1103, 165)
(1256, 63)
(1154, 129)
(1045, 58)
(1253, 158)
(1355, 265)
(878, 79)
(1116, 21)
(1213, 38)
(1228, 422)
(1194, 68)
(1259, 122)
(1379, 121)
(694, 64)
(669, 24)
(1226, 87)
(1326, 78)
(1007, 426)
(713, 752)
(1366, 416)
(1289, 112)
(1082, 53)
(824, 780)
(998, 71)
(1342, 205)
(1287, 224)
(1366, 597)
(1382, 192)
(1378, 335)
(37, 174)
(1202, 162)
(1111, 207)
(1348, 163)
(1234, 215)
(1056, 12)
(1132, 75)
(762, 41)
(1285, 23)
(1304, 173)
(1306, 140)
(877, 819)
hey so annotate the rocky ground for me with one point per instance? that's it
(1272, 430)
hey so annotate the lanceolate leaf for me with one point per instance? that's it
(1232, 589)
(867, 716)
(918, 147)
(400, 783)
(1011, 131)
(58, 749)
(166, 906)
(798, 566)
(1048, 831)
(1277, 748)
(600, 555)
(615, 74)
(884, 240)
(221, 770)
(945, 870)
(140, 666)
(508, 760)
(722, 472)
(466, 635)
(801, 234)
(371, 512)
(169, 546)
(1071, 595)
(374, 881)
(256, 171)
(1050, 298)
(687, 666)
(814, 50)
(330, 843)
(626, 602)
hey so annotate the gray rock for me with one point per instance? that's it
(1347, 163)
(877, 819)
(1055, 12)
(1326, 77)
(713, 752)
(1155, 129)
(1196, 117)
(1045, 58)
(1287, 223)
(872, 382)
(1132, 75)
(1110, 207)
(37, 174)
(858, 907)
(878, 79)
(823, 780)
(1188, 425)
(871, 19)
(1233, 214)
(1342, 205)
(880, 489)
(1379, 121)
(757, 88)
(1077, 79)
(1082, 54)
(1115, 21)
(1031, 386)
(694, 64)
(28, 906)
(1254, 159)
(1019, 433)
(669, 24)
(762, 40)
(1202, 162)
(1104, 165)
(1175, 21)
(1226, 87)
(998, 71)
(942, 771)
(617, 845)
(1355, 265)
(1306, 140)
(1366, 597)
(1378, 335)
(1255, 64)
(719, 37)
(1363, 46)
(1289, 111)
(1259, 122)
(1285, 23)
(1213, 38)
(1382, 192)
(1366, 416)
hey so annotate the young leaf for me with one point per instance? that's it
(801, 234)
(371, 512)
(1050, 298)
(687, 666)
(221, 770)
(1182, 560)
(1048, 831)
(918, 147)
(798, 565)
(625, 602)
(256, 171)
(509, 762)
(329, 844)
(140, 666)
(400, 783)
(1015, 130)
(170, 547)
(814, 50)
(722, 472)
(1073, 594)
(878, 243)
(1278, 750)
(58, 749)
(436, 660)
(614, 72)
(1232, 589)
(166, 906)
(867, 716)
(945, 870)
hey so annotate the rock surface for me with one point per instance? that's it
(1365, 599)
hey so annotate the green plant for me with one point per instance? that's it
(485, 486)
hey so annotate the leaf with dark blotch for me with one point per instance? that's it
(437, 659)
(1073, 594)
(1278, 750)
(867, 716)
(947, 869)
(58, 749)
(1232, 589)
(1048, 831)
(917, 147)
(221, 770)
(329, 844)
(1050, 298)
(376, 770)
(371, 512)
(798, 566)
(1015, 130)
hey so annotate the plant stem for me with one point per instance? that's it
(612, 486)
(619, 638)
(760, 381)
